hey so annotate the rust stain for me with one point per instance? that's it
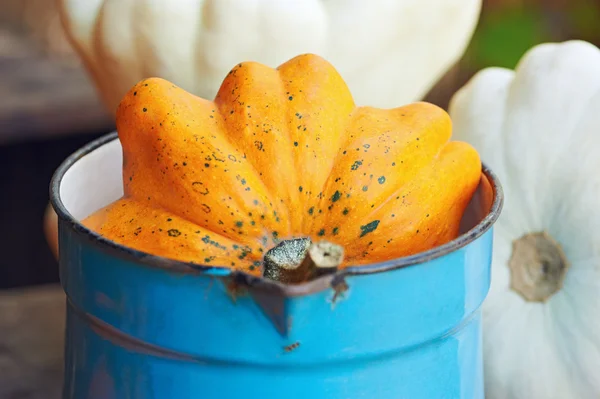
(291, 347)
(339, 288)
(234, 290)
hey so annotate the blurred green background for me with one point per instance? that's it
(508, 28)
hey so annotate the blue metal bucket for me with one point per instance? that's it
(141, 326)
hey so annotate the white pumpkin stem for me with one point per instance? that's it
(538, 267)
(298, 260)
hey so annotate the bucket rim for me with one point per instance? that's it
(246, 279)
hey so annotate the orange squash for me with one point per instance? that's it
(284, 153)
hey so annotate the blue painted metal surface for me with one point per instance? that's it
(138, 327)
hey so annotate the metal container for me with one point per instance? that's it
(141, 326)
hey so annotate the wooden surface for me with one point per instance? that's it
(43, 97)
(31, 342)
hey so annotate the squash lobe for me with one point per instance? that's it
(279, 154)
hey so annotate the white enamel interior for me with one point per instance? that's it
(94, 181)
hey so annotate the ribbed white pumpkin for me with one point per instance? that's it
(389, 52)
(539, 129)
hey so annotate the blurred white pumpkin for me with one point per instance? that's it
(390, 52)
(538, 128)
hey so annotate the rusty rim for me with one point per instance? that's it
(246, 279)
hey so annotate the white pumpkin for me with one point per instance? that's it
(389, 52)
(538, 128)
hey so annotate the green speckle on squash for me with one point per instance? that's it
(369, 228)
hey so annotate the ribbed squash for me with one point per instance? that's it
(284, 153)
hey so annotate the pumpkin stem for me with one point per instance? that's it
(298, 260)
(538, 267)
